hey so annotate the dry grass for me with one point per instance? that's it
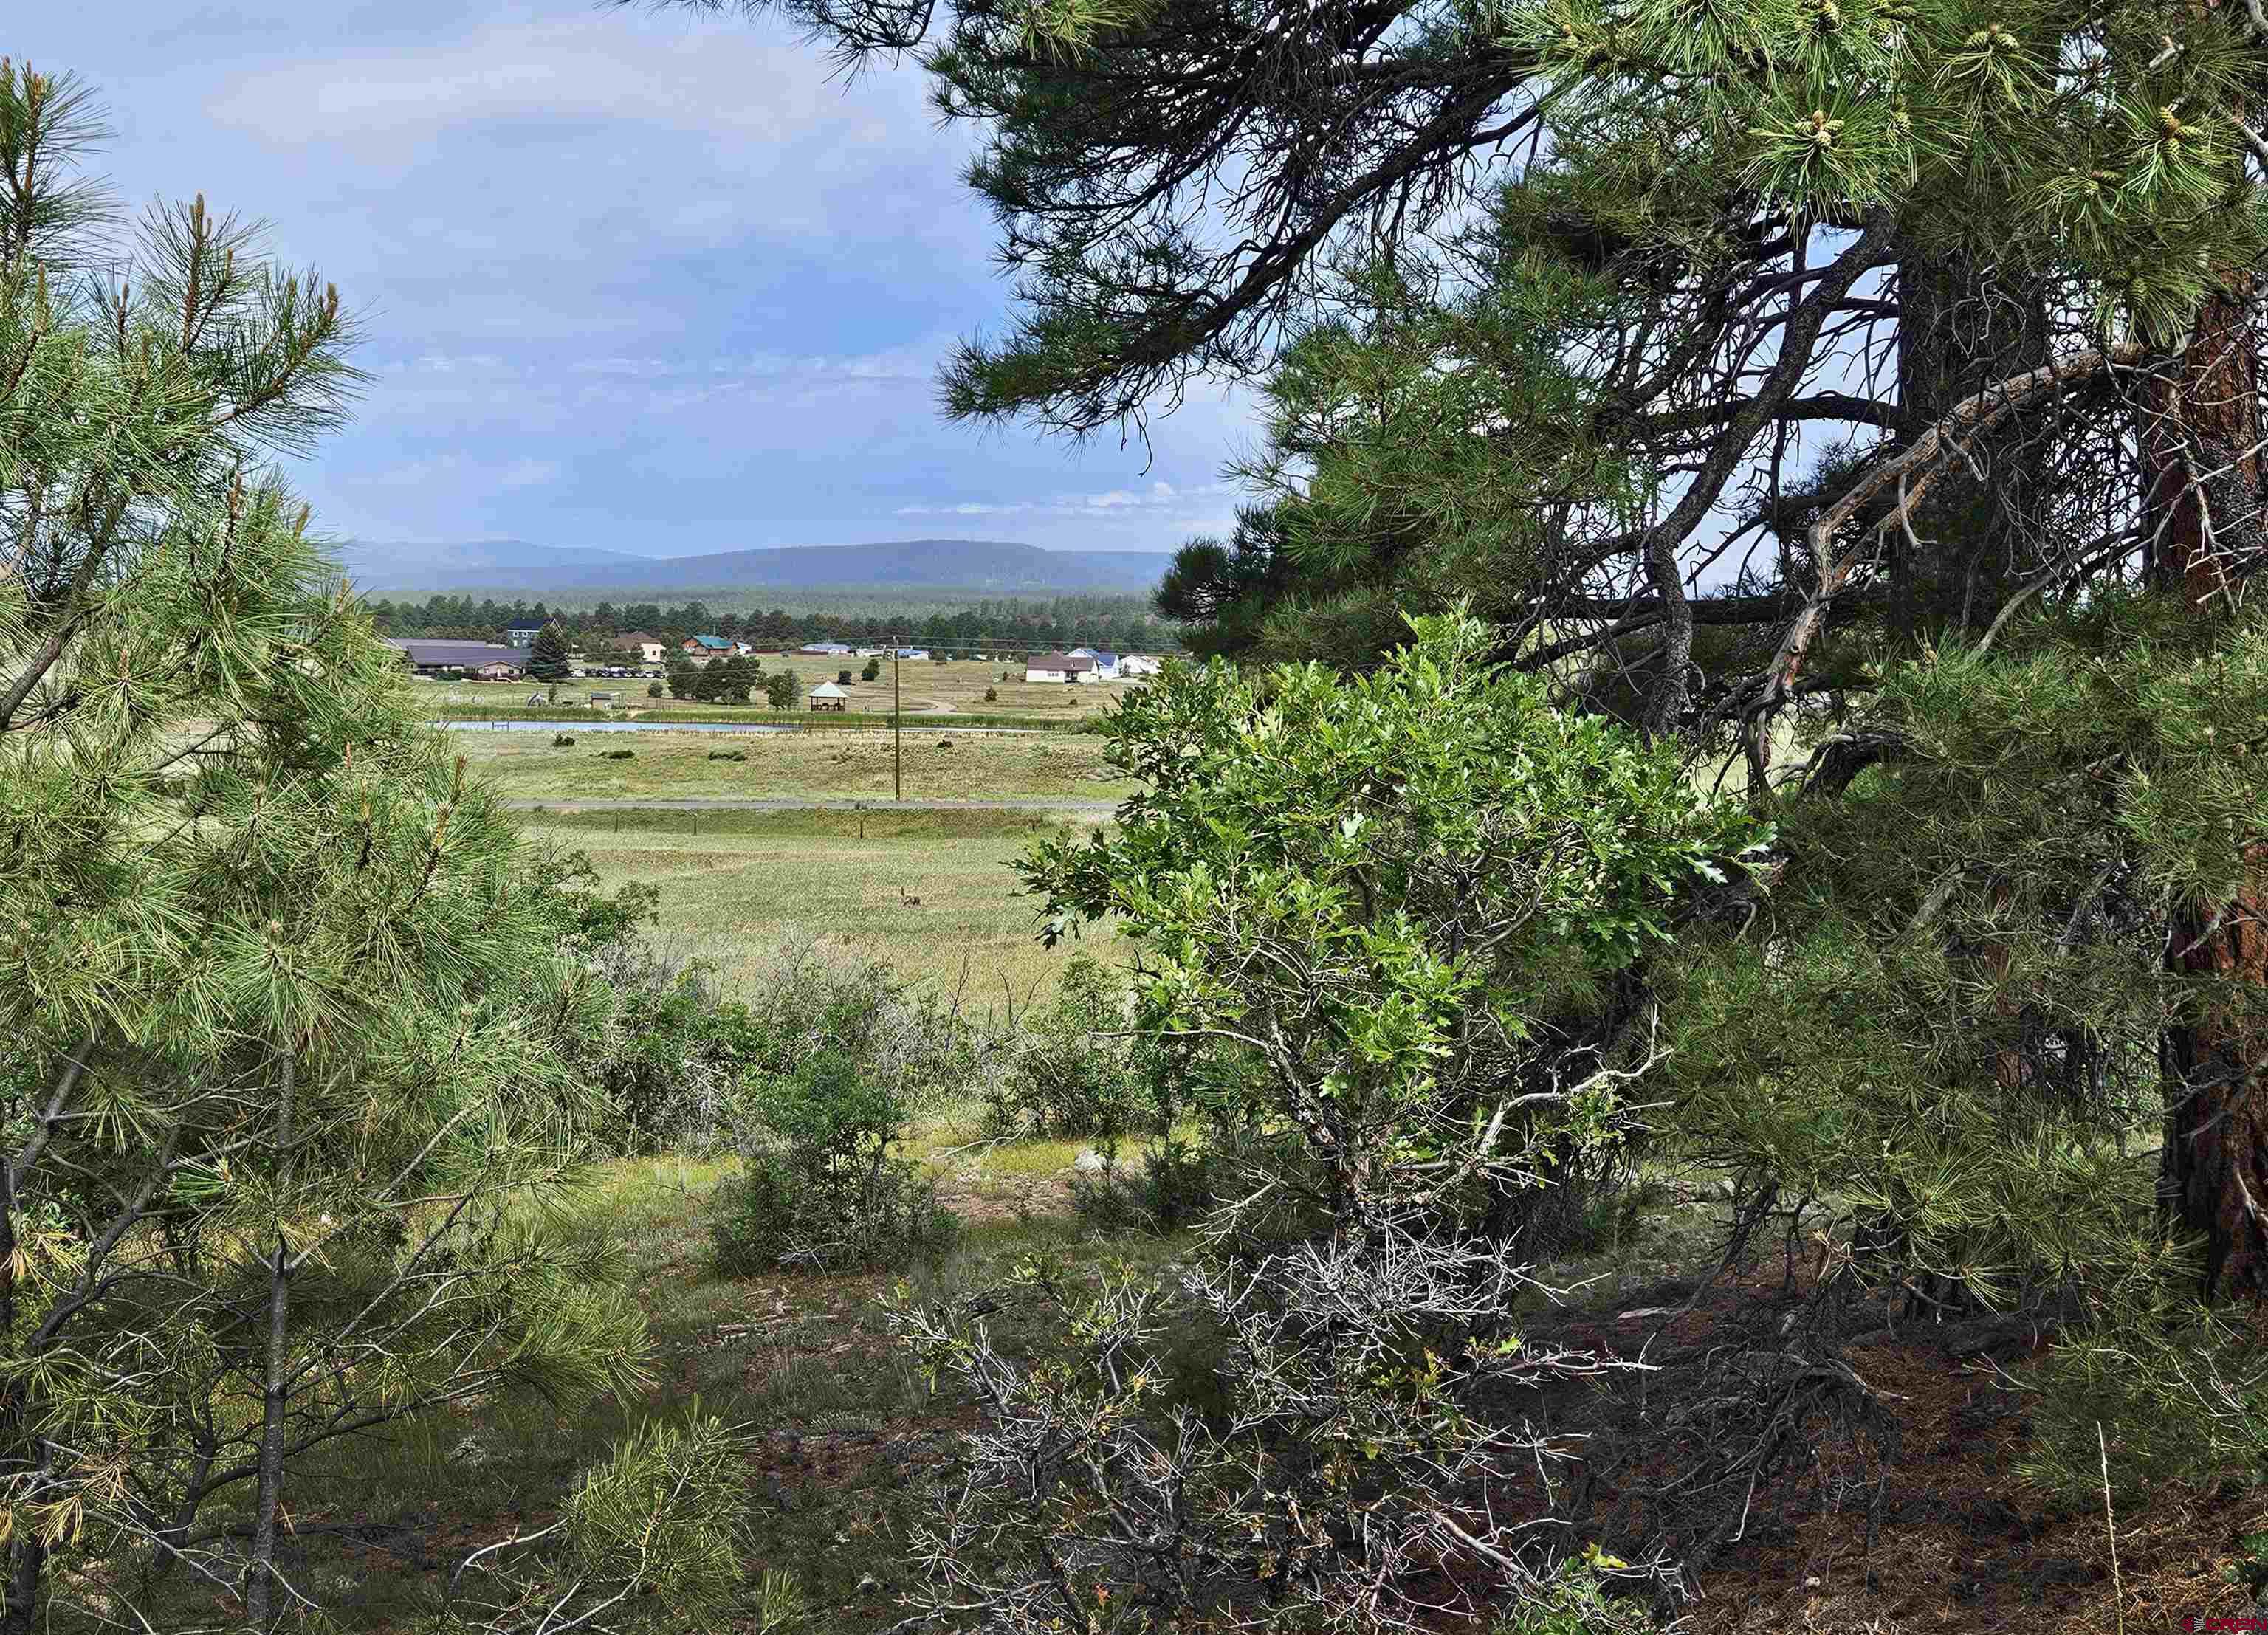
(831, 766)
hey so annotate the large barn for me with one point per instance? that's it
(481, 659)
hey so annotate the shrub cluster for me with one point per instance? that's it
(1082, 1070)
(1170, 1185)
(681, 1066)
(822, 1188)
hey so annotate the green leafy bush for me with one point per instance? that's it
(618, 755)
(1391, 922)
(1411, 909)
(1082, 1071)
(991, 695)
(821, 1188)
(1573, 1600)
(562, 741)
(728, 754)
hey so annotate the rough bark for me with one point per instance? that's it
(2204, 470)
(1962, 327)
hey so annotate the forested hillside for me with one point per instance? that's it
(965, 568)
(1121, 624)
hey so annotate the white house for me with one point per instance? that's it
(1106, 664)
(522, 634)
(1133, 664)
(648, 648)
(1077, 667)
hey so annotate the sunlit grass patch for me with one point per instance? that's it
(731, 897)
(936, 764)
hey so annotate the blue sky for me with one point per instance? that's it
(661, 284)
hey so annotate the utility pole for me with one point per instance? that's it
(897, 722)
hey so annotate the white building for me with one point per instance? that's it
(1133, 664)
(1076, 668)
(1106, 664)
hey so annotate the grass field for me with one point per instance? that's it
(939, 688)
(746, 882)
(526, 766)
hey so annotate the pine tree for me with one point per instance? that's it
(547, 656)
(1754, 234)
(276, 976)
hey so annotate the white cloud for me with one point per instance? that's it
(715, 77)
(625, 134)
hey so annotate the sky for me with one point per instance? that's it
(657, 283)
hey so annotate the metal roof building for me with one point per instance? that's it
(424, 655)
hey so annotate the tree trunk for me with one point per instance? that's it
(1962, 327)
(2203, 467)
(260, 1584)
(27, 1563)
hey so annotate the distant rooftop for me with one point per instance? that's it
(466, 655)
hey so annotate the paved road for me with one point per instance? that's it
(815, 803)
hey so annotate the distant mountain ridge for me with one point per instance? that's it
(516, 568)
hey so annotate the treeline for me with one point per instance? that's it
(1121, 624)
